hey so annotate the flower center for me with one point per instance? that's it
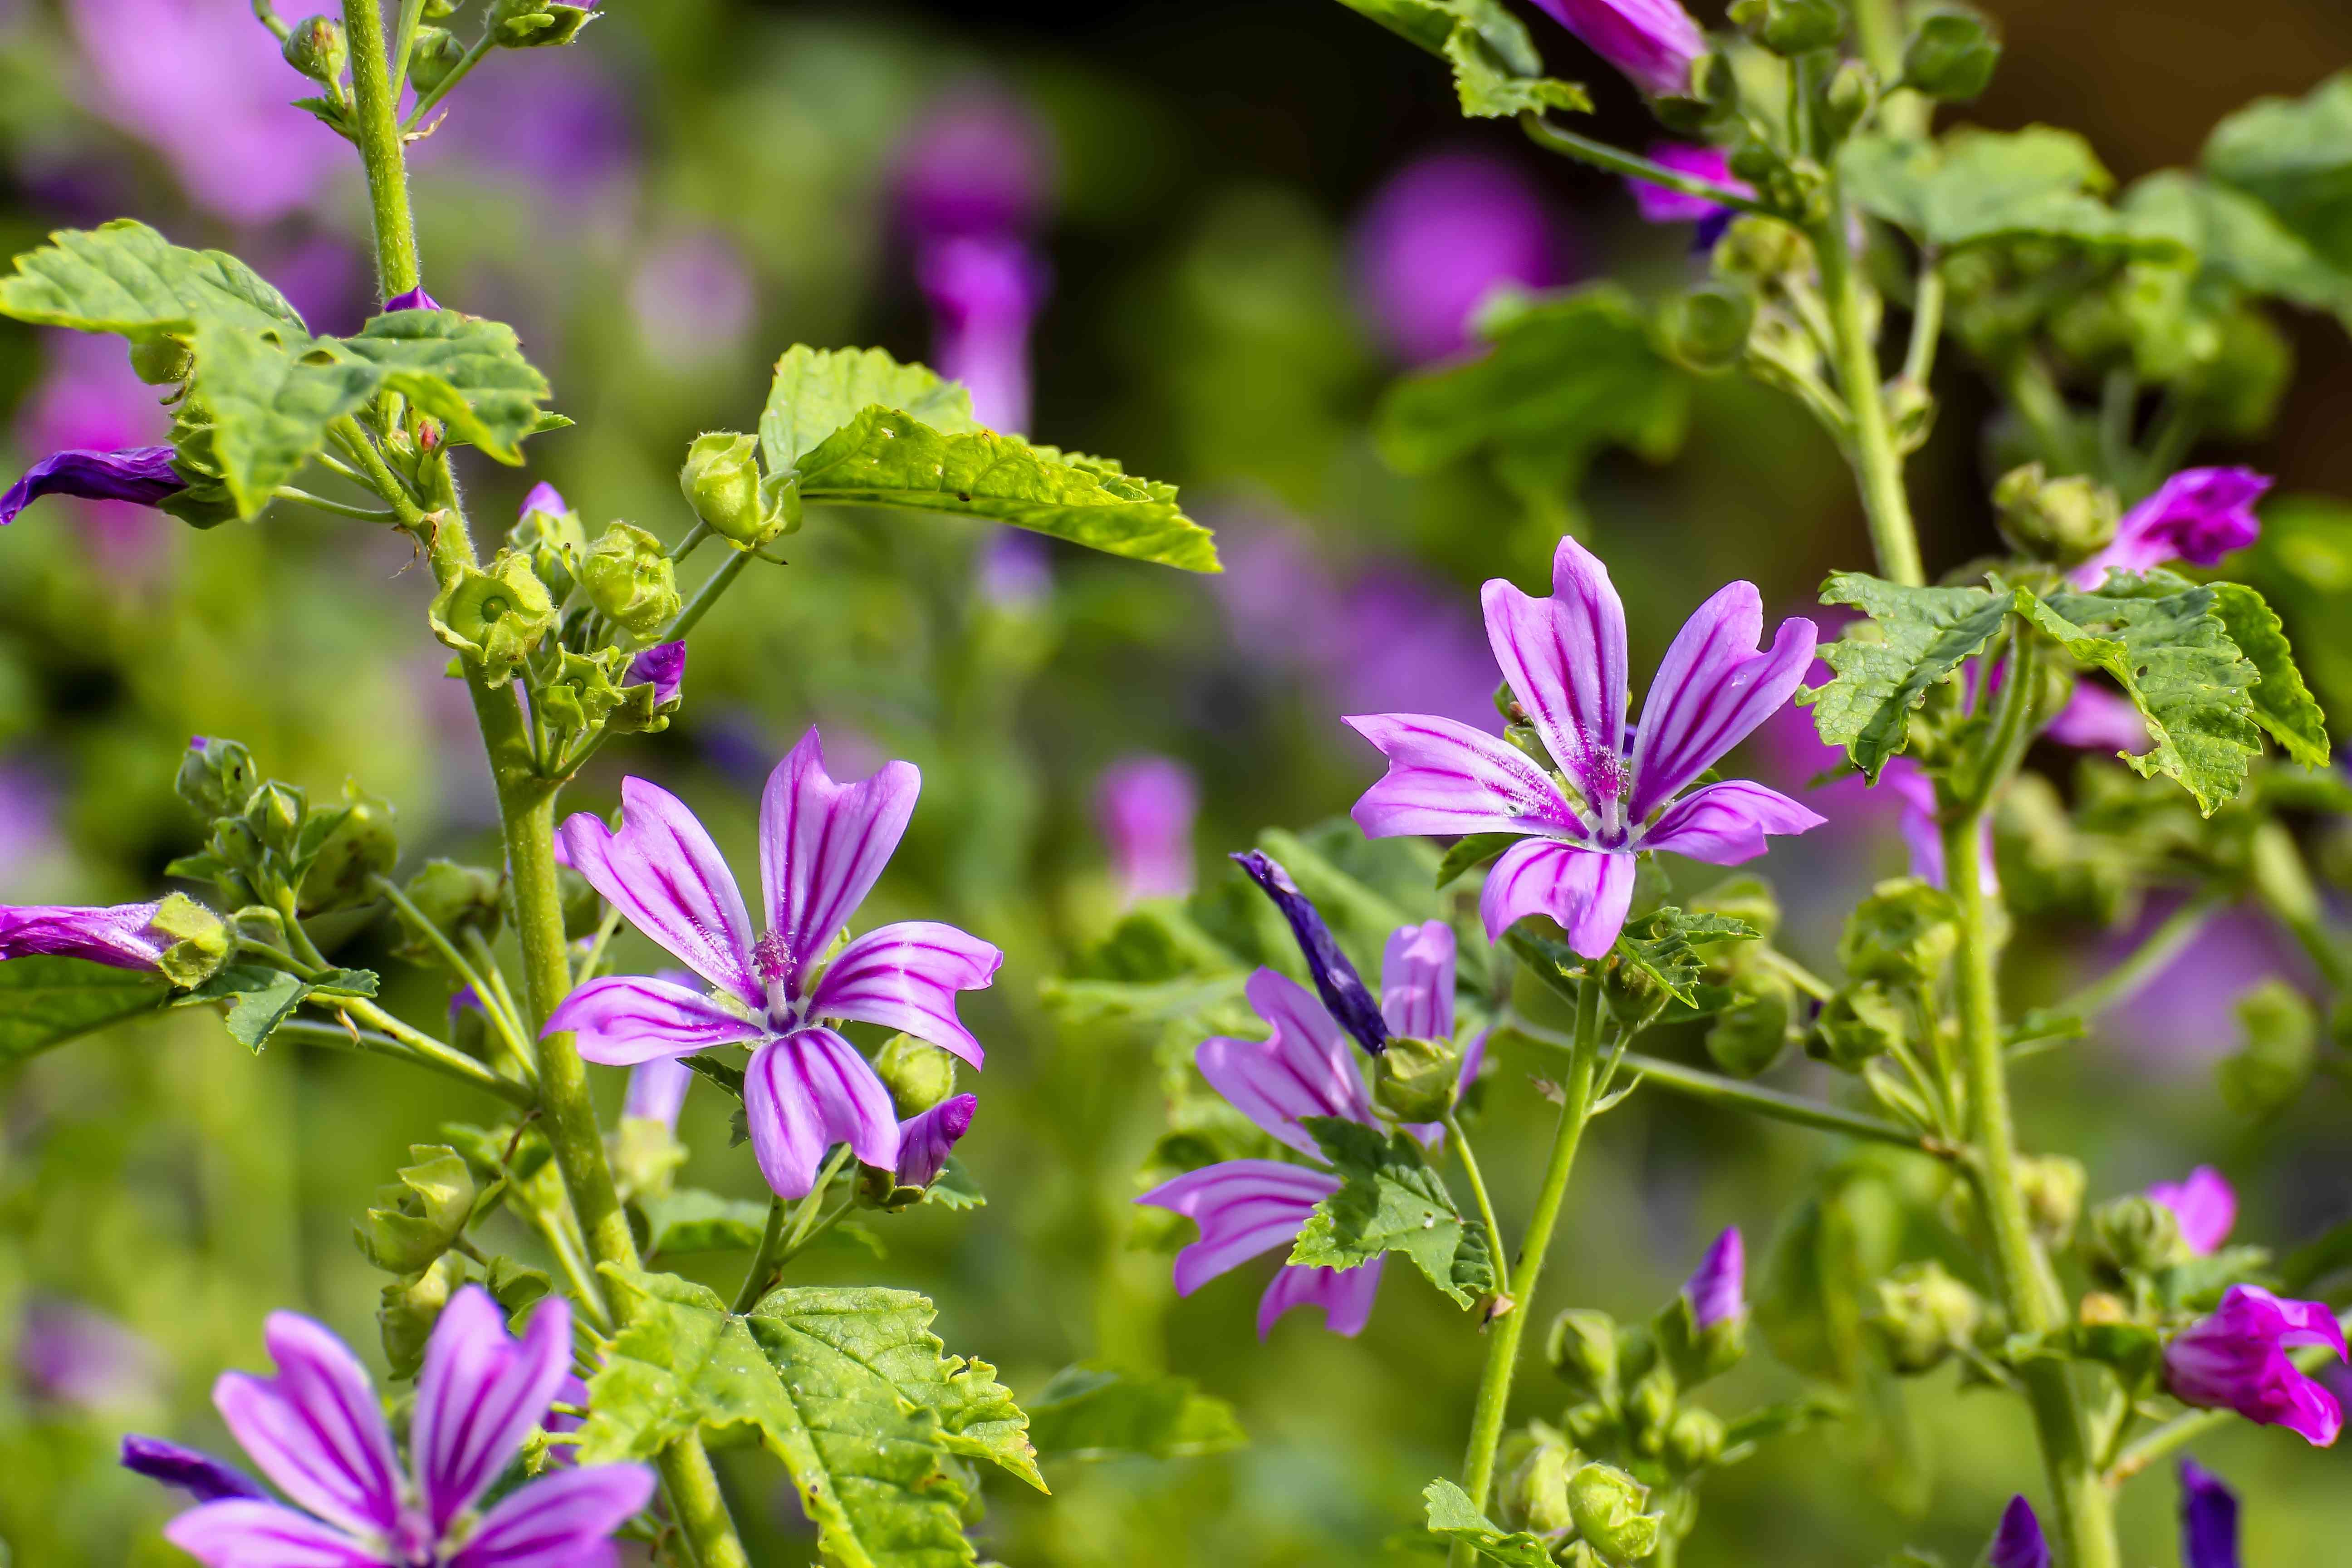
(780, 972)
(413, 1543)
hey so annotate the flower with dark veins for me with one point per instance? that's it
(141, 474)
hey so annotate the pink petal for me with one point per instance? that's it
(1587, 891)
(1445, 777)
(927, 1138)
(1243, 1207)
(1653, 42)
(1307, 1068)
(1660, 204)
(821, 846)
(247, 1534)
(1417, 980)
(905, 977)
(1712, 689)
(1565, 659)
(623, 1021)
(551, 1522)
(2199, 515)
(2205, 1205)
(480, 1394)
(1345, 1295)
(316, 1429)
(2098, 720)
(806, 1092)
(117, 936)
(1725, 823)
(667, 878)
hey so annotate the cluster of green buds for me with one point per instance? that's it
(723, 483)
(451, 902)
(416, 1231)
(1922, 1316)
(271, 855)
(1762, 1014)
(1896, 949)
(1590, 1514)
(2065, 520)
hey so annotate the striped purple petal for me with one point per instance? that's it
(821, 846)
(1725, 823)
(316, 1429)
(558, 1520)
(806, 1092)
(141, 474)
(667, 878)
(1711, 689)
(2018, 1541)
(1653, 42)
(656, 1090)
(1243, 1207)
(244, 1533)
(664, 665)
(1587, 891)
(928, 1137)
(118, 936)
(906, 976)
(2209, 1518)
(1344, 1295)
(1564, 658)
(622, 1021)
(198, 1474)
(2205, 1205)
(1445, 777)
(2199, 515)
(1307, 1069)
(480, 1394)
(1417, 980)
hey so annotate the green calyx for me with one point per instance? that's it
(721, 480)
(200, 941)
(531, 25)
(1951, 55)
(1610, 1511)
(1413, 1079)
(216, 777)
(628, 576)
(362, 844)
(454, 900)
(555, 545)
(160, 359)
(494, 618)
(1922, 1315)
(2063, 520)
(919, 1075)
(580, 693)
(410, 1308)
(418, 1218)
(1582, 1350)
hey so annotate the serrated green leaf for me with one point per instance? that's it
(2295, 155)
(1431, 23)
(1927, 633)
(2284, 705)
(260, 999)
(1489, 89)
(1472, 850)
(687, 1219)
(123, 277)
(1974, 187)
(270, 403)
(1391, 1200)
(1101, 1413)
(45, 1001)
(467, 373)
(1452, 1517)
(2239, 242)
(1663, 944)
(816, 392)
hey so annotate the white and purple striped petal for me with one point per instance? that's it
(1564, 658)
(667, 878)
(928, 1137)
(1305, 1069)
(118, 936)
(1711, 689)
(1653, 42)
(1445, 777)
(316, 1429)
(480, 1394)
(627, 1019)
(244, 1533)
(1243, 1207)
(806, 1092)
(821, 846)
(1345, 1296)
(560, 1520)
(1725, 823)
(1417, 980)
(1587, 891)
(905, 977)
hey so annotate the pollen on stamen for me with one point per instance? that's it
(772, 957)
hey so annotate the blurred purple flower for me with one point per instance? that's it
(201, 1477)
(1016, 571)
(2096, 718)
(1718, 1288)
(1923, 836)
(694, 299)
(1653, 42)
(1442, 234)
(2199, 515)
(2209, 1518)
(120, 936)
(2184, 1018)
(1145, 806)
(927, 1138)
(978, 163)
(2019, 1542)
(140, 474)
(27, 821)
(2235, 1359)
(68, 1353)
(657, 1086)
(984, 293)
(1409, 645)
(2205, 1205)
(1659, 203)
(561, 127)
(664, 663)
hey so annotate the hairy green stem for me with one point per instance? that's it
(1877, 466)
(375, 113)
(707, 596)
(1601, 155)
(763, 1259)
(1526, 1270)
(1477, 1180)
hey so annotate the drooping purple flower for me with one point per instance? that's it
(141, 474)
(1564, 658)
(2205, 1205)
(1718, 1288)
(199, 1475)
(927, 1138)
(2235, 1359)
(121, 936)
(1145, 806)
(657, 1090)
(664, 663)
(822, 847)
(318, 1431)
(1661, 204)
(694, 298)
(68, 1353)
(2018, 1542)
(416, 299)
(2199, 515)
(2209, 1518)
(1441, 235)
(1653, 42)
(2098, 720)
(1336, 980)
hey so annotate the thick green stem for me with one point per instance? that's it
(376, 106)
(1877, 466)
(1527, 1271)
(717, 582)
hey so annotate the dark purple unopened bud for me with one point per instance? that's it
(2236, 1358)
(141, 474)
(925, 1141)
(664, 663)
(2019, 1542)
(1345, 996)
(200, 1476)
(416, 299)
(2209, 1518)
(1653, 42)
(1718, 1288)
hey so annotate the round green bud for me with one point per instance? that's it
(918, 1074)
(1791, 27)
(1903, 933)
(276, 814)
(1951, 55)
(495, 618)
(200, 945)
(555, 543)
(1582, 1349)
(2133, 1235)
(628, 576)
(1636, 996)
(1650, 1408)
(1694, 1441)
(1748, 1036)
(1863, 1021)
(315, 46)
(434, 57)
(2065, 520)
(2054, 1186)
(361, 846)
(1590, 1424)
(722, 483)
(1535, 1492)
(160, 359)
(216, 777)
(409, 1309)
(1706, 330)
(417, 1218)
(1608, 1506)
(454, 900)
(1922, 1314)
(1413, 1079)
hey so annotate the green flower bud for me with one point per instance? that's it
(455, 899)
(580, 693)
(1694, 1354)
(1750, 1035)
(1903, 933)
(1535, 1492)
(629, 578)
(1714, 97)
(1922, 1314)
(1706, 330)
(315, 46)
(361, 845)
(1791, 27)
(417, 1218)
(1910, 413)
(2065, 520)
(2052, 1186)
(276, 814)
(536, 24)
(2239, 385)
(1694, 1441)
(722, 482)
(494, 618)
(1413, 1079)
(201, 940)
(919, 1075)
(409, 1309)
(1582, 1349)
(1951, 55)
(1635, 996)
(433, 57)
(1608, 1506)
(1845, 100)
(2133, 1235)
(216, 777)
(555, 545)
(1861, 1022)
(2270, 1071)
(1650, 1408)
(160, 359)
(1590, 1424)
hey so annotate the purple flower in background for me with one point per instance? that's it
(416, 299)
(121, 936)
(318, 1431)
(1438, 237)
(1658, 204)
(1145, 807)
(2018, 1542)
(2209, 1518)
(2199, 515)
(2205, 1205)
(141, 474)
(984, 294)
(1718, 1288)
(2098, 720)
(822, 847)
(27, 824)
(927, 1138)
(1343, 991)
(1653, 42)
(1017, 572)
(1405, 644)
(1565, 659)
(1923, 836)
(664, 663)
(2235, 1359)
(657, 1089)
(199, 1475)
(694, 299)
(979, 163)
(68, 1353)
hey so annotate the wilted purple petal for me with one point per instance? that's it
(141, 474)
(906, 976)
(1345, 996)
(1718, 1288)
(244, 1533)
(1564, 658)
(416, 299)
(927, 1138)
(2098, 720)
(2199, 515)
(657, 1090)
(978, 163)
(480, 1394)
(316, 1429)
(984, 291)
(1653, 42)
(119, 936)
(1439, 237)
(1345, 1296)
(1660, 204)
(2205, 1205)
(623, 1020)
(806, 1092)
(1587, 891)
(199, 1475)
(664, 663)
(1711, 689)
(822, 847)
(667, 878)
(1145, 806)
(2235, 1359)
(74, 1354)
(1417, 980)
(2019, 1542)
(550, 1523)
(1444, 777)
(1305, 1069)
(1725, 823)
(2209, 1518)
(1243, 1207)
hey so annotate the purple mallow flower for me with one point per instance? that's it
(1658, 204)
(68, 1353)
(318, 1430)
(122, 937)
(664, 663)
(2235, 1359)
(1444, 232)
(1343, 991)
(199, 1475)
(2205, 1205)
(1615, 796)
(2018, 1542)
(2209, 1518)
(1718, 1288)
(1653, 42)
(141, 474)
(984, 293)
(927, 1138)
(1145, 806)
(416, 299)
(2199, 515)
(821, 846)
(657, 1090)
(695, 299)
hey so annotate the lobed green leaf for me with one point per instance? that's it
(1664, 945)
(1926, 634)
(817, 391)
(1975, 187)
(2239, 241)
(1497, 71)
(1391, 1200)
(2284, 705)
(1452, 1517)
(123, 277)
(2295, 156)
